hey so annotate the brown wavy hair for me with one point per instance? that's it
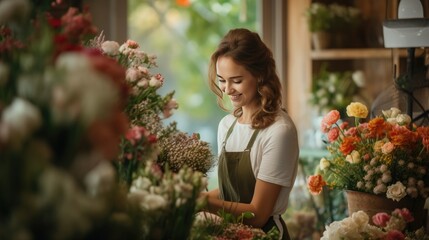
(247, 49)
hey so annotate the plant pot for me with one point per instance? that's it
(372, 204)
(321, 40)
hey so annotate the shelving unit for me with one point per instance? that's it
(379, 64)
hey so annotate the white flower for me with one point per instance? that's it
(324, 164)
(386, 177)
(18, 121)
(403, 119)
(396, 191)
(353, 157)
(83, 94)
(391, 113)
(381, 188)
(359, 78)
(100, 179)
(111, 48)
(154, 82)
(153, 202)
(133, 74)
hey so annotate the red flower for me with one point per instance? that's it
(381, 219)
(394, 235)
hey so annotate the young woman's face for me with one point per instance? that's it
(238, 83)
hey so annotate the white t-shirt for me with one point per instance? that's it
(274, 154)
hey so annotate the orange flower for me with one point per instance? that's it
(401, 136)
(378, 127)
(424, 134)
(315, 184)
(347, 146)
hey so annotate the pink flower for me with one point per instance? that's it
(381, 219)
(329, 119)
(405, 214)
(394, 235)
(132, 44)
(333, 134)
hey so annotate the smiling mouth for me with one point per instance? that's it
(235, 97)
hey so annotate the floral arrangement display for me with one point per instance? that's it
(148, 138)
(385, 156)
(386, 226)
(332, 17)
(334, 90)
(83, 148)
(75, 117)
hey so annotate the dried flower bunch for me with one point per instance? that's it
(386, 155)
(386, 226)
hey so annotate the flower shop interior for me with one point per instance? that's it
(355, 79)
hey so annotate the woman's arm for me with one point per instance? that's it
(262, 204)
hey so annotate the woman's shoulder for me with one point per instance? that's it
(282, 125)
(226, 121)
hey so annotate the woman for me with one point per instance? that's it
(258, 144)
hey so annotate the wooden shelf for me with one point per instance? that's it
(359, 53)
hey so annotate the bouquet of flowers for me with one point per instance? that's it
(385, 156)
(148, 139)
(386, 226)
(67, 109)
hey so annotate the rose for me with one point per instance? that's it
(404, 213)
(315, 184)
(387, 148)
(381, 219)
(358, 110)
(396, 191)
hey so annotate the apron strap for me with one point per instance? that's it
(229, 132)
(252, 140)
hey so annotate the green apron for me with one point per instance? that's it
(237, 181)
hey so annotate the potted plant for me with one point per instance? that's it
(323, 20)
(319, 20)
(382, 163)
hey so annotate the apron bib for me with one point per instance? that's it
(237, 181)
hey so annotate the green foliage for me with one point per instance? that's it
(198, 29)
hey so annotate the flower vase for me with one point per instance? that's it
(372, 204)
(321, 40)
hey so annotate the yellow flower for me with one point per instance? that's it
(358, 110)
